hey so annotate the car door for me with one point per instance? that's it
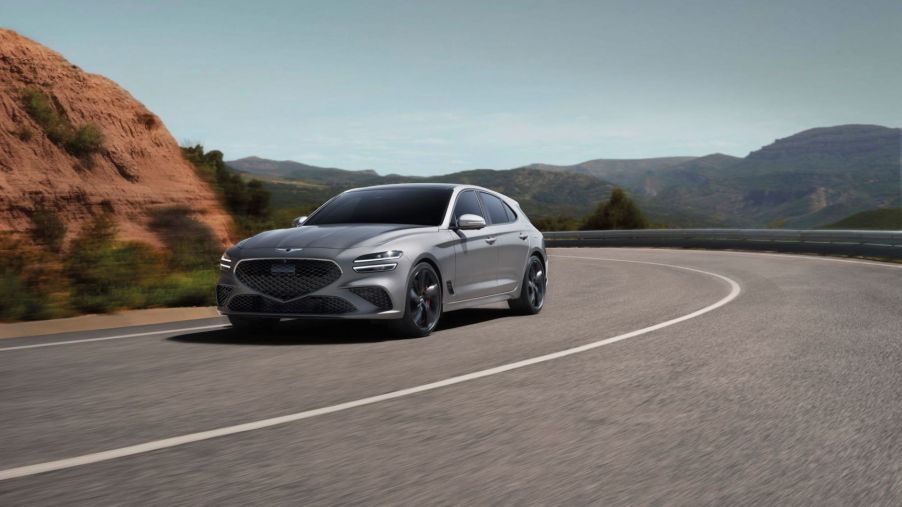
(475, 254)
(511, 241)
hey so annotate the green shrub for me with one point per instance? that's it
(47, 229)
(194, 288)
(26, 282)
(19, 302)
(87, 139)
(105, 275)
(79, 141)
(190, 244)
(555, 223)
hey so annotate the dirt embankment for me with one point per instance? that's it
(137, 168)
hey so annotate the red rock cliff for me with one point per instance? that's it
(137, 169)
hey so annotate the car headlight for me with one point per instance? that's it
(374, 262)
(225, 262)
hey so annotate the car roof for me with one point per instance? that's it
(450, 186)
(417, 185)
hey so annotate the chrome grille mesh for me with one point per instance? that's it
(286, 278)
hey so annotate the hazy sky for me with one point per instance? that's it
(422, 87)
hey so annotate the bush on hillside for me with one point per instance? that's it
(106, 275)
(618, 212)
(85, 140)
(28, 279)
(47, 228)
(190, 244)
(79, 141)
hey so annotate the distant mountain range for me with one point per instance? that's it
(812, 178)
(543, 193)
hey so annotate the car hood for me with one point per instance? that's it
(332, 236)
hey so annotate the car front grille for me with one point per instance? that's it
(311, 305)
(286, 278)
(222, 294)
(375, 295)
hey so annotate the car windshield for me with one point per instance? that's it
(413, 206)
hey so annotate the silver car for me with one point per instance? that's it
(405, 253)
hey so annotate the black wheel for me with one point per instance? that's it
(532, 292)
(423, 306)
(240, 323)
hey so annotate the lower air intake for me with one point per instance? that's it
(375, 295)
(312, 305)
(222, 294)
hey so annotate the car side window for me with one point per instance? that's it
(495, 208)
(511, 214)
(467, 204)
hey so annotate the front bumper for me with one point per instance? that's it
(377, 295)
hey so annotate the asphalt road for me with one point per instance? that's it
(788, 391)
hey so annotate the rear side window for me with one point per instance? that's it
(495, 207)
(467, 204)
(511, 215)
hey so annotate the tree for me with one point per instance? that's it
(618, 212)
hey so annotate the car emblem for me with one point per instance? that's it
(286, 250)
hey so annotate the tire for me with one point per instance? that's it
(423, 303)
(241, 323)
(532, 290)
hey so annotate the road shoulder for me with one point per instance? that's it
(108, 321)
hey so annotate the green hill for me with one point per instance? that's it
(887, 219)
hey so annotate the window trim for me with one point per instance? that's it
(489, 220)
(511, 209)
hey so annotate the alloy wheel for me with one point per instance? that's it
(535, 284)
(424, 298)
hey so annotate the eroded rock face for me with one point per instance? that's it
(138, 168)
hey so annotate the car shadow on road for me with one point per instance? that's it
(331, 332)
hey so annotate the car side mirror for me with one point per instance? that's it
(470, 222)
(299, 221)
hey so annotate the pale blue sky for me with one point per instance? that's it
(422, 87)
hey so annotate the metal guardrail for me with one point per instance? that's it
(841, 242)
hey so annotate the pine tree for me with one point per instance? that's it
(618, 212)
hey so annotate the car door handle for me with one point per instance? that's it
(490, 240)
(523, 235)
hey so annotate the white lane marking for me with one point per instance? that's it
(155, 445)
(878, 264)
(117, 337)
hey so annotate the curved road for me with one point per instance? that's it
(710, 378)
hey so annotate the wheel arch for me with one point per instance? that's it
(435, 265)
